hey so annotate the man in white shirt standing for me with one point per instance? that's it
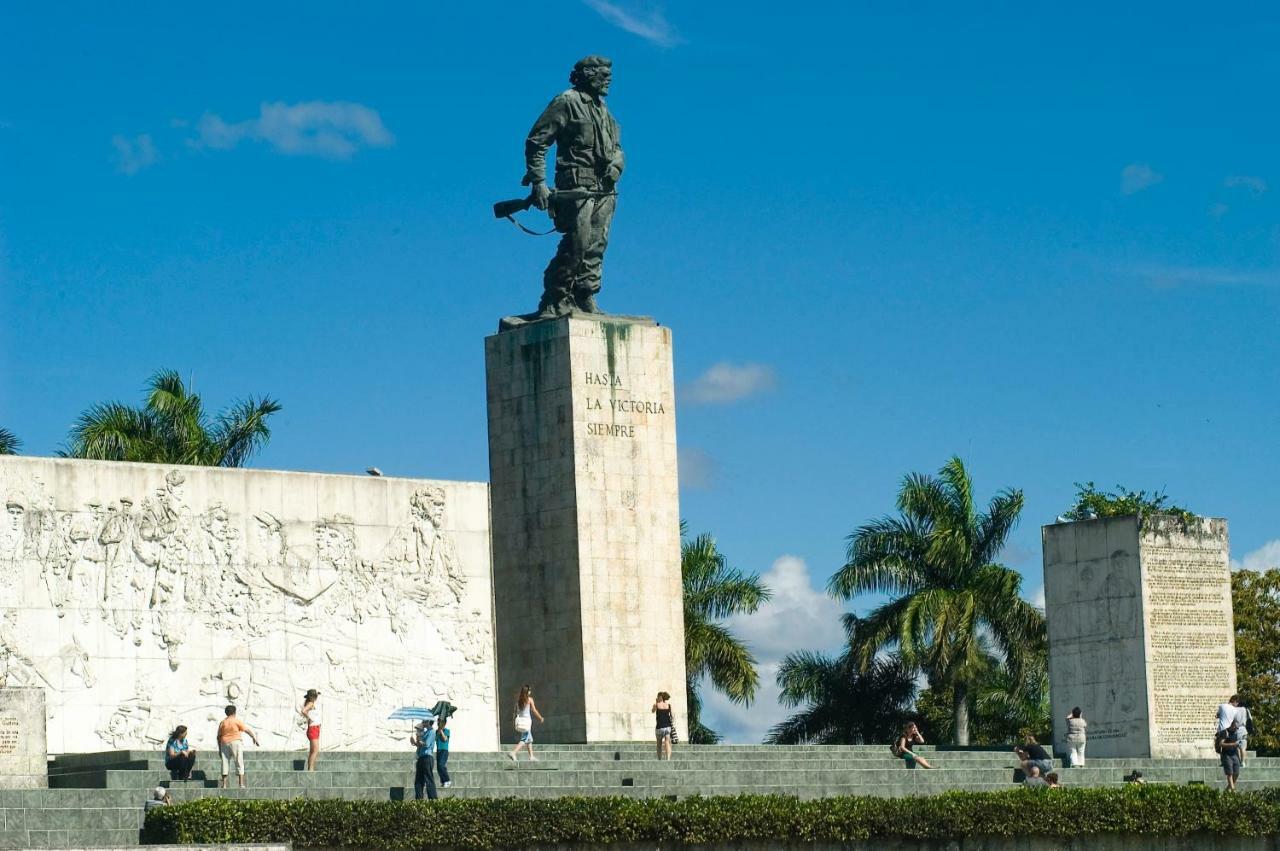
(1233, 711)
(1227, 712)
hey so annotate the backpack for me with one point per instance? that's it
(894, 749)
(1249, 729)
(1218, 740)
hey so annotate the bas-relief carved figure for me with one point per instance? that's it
(298, 604)
(588, 166)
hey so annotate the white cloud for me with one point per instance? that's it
(1168, 277)
(728, 382)
(698, 470)
(1254, 184)
(647, 21)
(1136, 177)
(335, 130)
(799, 617)
(1263, 558)
(133, 155)
(1037, 599)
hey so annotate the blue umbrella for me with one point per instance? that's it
(412, 713)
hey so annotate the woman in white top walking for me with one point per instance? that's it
(311, 713)
(526, 711)
(1075, 738)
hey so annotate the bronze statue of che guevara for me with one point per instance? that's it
(588, 165)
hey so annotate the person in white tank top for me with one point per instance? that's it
(526, 711)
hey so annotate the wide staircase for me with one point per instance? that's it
(96, 799)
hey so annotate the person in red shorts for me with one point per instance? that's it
(310, 711)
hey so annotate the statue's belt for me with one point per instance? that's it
(557, 196)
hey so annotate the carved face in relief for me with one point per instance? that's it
(333, 544)
(428, 504)
(14, 514)
(219, 523)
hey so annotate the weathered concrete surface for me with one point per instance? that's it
(1140, 632)
(146, 596)
(24, 755)
(586, 525)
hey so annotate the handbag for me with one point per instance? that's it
(675, 736)
(523, 723)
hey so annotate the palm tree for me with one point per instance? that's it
(9, 443)
(172, 427)
(714, 591)
(951, 602)
(844, 704)
(1004, 709)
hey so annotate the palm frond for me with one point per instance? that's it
(803, 675)
(112, 431)
(959, 489)
(1001, 517)
(880, 630)
(716, 653)
(885, 556)
(9, 442)
(240, 432)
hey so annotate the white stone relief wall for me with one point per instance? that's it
(141, 597)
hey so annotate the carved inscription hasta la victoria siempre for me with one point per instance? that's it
(616, 404)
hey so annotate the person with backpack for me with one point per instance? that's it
(1227, 744)
(901, 748)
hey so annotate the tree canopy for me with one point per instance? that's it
(843, 703)
(1092, 503)
(1255, 600)
(951, 605)
(172, 427)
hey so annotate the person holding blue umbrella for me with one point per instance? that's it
(424, 739)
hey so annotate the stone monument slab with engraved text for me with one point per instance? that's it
(1140, 632)
(23, 745)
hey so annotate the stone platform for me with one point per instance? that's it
(96, 799)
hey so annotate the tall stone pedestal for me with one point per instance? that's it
(586, 526)
(1140, 633)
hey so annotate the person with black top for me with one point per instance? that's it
(1030, 753)
(666, 724)
(901, 747)
(1228, 746)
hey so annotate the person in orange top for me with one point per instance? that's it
(230, 730)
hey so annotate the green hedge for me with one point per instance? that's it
(510, 822)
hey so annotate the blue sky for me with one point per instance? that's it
(1047, 241)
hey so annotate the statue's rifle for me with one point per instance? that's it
(508, 209)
